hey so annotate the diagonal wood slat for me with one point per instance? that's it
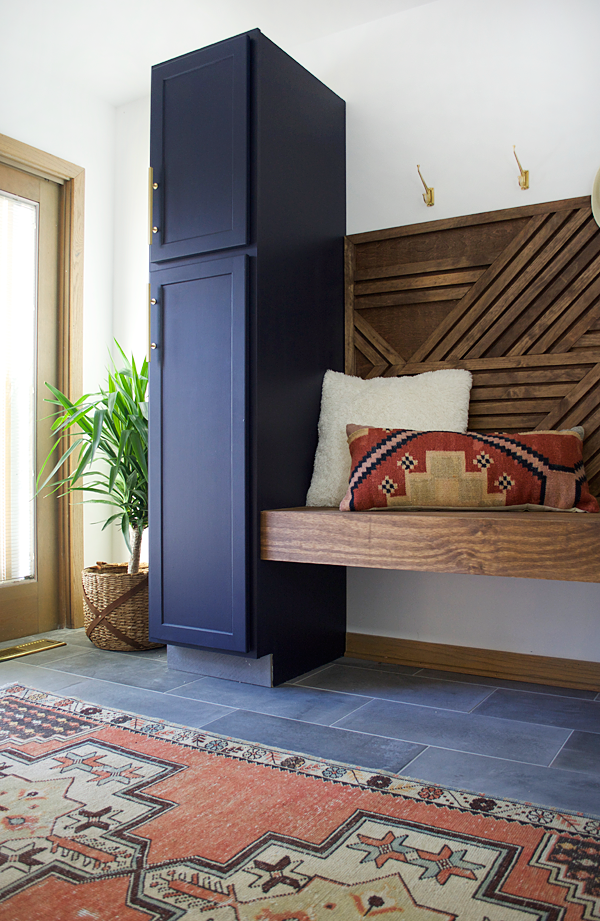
(588, 341)
(453, 328)
(519, 422)
(558, 318)
(493, 407)
(591, 454)
(580, 400)
(591, 424)
(576, 333)
(366, 349)
(509, 283)
(429, 280)
(529, 285)
(513, 296)
(413, 296)
(554, 364)
(380, 345)
(480, 394)
(419, 268)
(569, 265)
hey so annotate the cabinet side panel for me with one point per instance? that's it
(197, 402)
(299, 334)
(301, 221)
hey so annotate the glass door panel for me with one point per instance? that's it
(29, 283)
(18, 319)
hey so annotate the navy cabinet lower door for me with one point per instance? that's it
(198, 590)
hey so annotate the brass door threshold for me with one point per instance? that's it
(26, 649)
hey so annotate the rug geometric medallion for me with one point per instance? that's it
(108, 815)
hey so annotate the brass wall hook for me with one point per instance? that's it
(524, 177)
(428, 197)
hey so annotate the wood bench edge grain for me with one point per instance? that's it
(535, 545)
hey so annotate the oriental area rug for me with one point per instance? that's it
(107, 815)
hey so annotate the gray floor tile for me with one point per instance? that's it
(77, 641)
(466, 732)
(491, 777)
(314, 671)
(21, 640)
(43, 679)
(581, 753)
(486, 681)
(77, 638)
(545, 709)
(53, 655)
(124, 669)
(320, 741)
(146, 703)
(378, 666)
(150, 655)
(468, 750)
(58, 634)
(428, 692)
(71, 635)
(297, 703)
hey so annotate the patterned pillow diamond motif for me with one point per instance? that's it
(504, 482)
(388, 486)
(407, 462)
(483, 461)
(401, 468)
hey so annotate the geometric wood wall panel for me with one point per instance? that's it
(513, 296)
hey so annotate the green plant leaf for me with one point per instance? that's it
(112, 399)
(125, 529)
(109, 429)
(97, 433)
(64, 457)
(115, 469)
(110, 520)
(141, 452)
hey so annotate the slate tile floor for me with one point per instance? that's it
(501, 738)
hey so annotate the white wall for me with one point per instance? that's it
(130, 301)
(58, 118)
(452, 86)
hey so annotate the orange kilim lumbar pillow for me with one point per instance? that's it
(397, 468)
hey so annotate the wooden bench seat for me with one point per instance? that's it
(532, 545)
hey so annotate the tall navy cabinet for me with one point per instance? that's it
(248, 158)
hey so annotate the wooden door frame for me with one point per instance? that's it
(70, 337)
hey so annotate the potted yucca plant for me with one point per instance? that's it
(107, 441)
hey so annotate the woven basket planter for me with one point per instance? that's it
(115, 607)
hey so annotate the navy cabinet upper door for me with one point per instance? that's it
(198, 592)
(199, 151)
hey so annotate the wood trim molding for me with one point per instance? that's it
(516, 666)
(349, 271)
(23, 156)
(467, 220)
(72, 178)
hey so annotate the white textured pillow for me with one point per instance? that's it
(433, 401)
